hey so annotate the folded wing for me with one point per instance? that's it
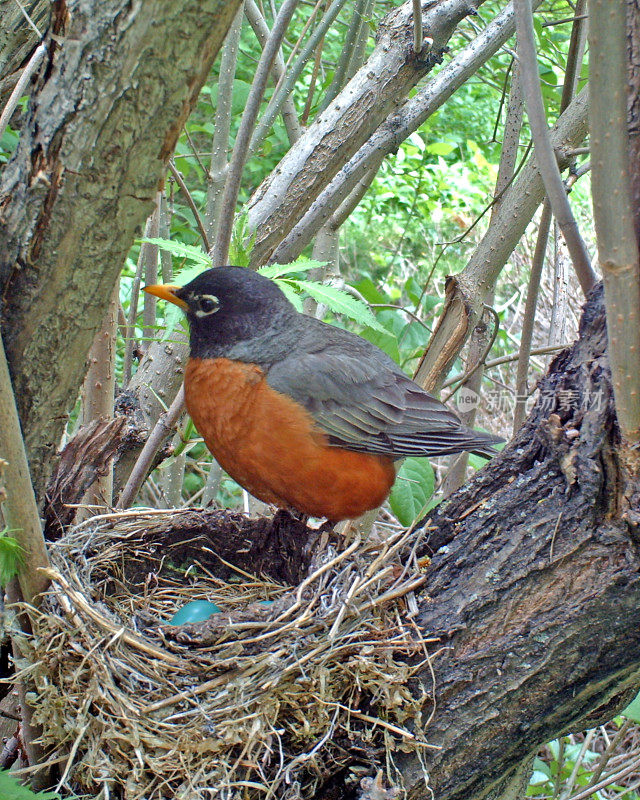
(363, 402)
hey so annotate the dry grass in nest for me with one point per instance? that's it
(260, 701)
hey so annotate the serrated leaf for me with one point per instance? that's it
(180, 250)
(291, 294)
(340, 303)
(412, 490)
(300, 265)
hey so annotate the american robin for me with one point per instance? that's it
(302, 414)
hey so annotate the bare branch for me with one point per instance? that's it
(289, 78)
(19, 509)
(545, 156)
(351, 119)
(392, 132)
(261, 30)
(191, 203)
(528, 322)
(417, 26)
(20, 86)
(346, 54)
(617, 245)
(99, 389)
(164, 428)
(219, 164)
(466, 291)
(238, 159)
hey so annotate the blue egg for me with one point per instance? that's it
(195, 611)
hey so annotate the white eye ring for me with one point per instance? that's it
(208, 304)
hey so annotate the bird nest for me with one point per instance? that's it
(284, 688)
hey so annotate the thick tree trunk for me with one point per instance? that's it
(534, 588)
(112, 96)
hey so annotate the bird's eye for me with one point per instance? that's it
(208, 303)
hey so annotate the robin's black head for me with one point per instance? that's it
(232, 312)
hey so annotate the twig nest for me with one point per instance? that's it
(263, 699)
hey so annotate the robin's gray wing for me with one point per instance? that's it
(362, 401)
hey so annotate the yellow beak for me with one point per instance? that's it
(166, 291)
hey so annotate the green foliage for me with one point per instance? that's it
(632, 711)
(412, 490)
(10, 789)
(11, 558)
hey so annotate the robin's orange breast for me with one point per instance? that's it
(271, 446)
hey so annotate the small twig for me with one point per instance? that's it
(163, 428)
(577, 764)
(497, 362)
(611, 748)
(18, 89)
(192, 205)
(613, 777)
(526, 335)
(417, 26)
(27, 16)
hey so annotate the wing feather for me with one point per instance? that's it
(364, 402)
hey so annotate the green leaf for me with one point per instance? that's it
(10, 789)
(386, 341)
(340, 303)
(180, 250)
(412, 490)
(632, 711)
(538, 777)
(370, 291)
(239, 95)
(11, 559)
(291, 294)
(441, 148)
(301, 265)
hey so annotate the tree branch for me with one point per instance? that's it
(341, 130)
(19, 509)
(101, 125)
(393, 130)
(220, 251)
(617, 245)
(466, 291)
(544, 154)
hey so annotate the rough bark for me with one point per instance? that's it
(535, 583)
(109, 103)
(150, 391)
(85, 459)
(376, 89)
(18, 39)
